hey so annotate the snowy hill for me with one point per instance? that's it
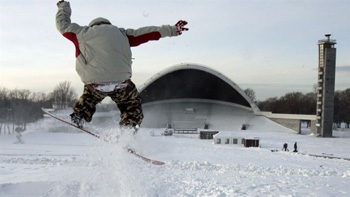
(76, 164)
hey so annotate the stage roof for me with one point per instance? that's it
(191, 81)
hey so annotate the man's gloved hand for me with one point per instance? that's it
(180, 27)
(58, 3)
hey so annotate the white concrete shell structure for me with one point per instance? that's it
(190, 96)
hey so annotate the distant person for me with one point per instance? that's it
(19, 131)
(335, 126)
(285, 147)
(342, 126)
(295, 147)
(103, 62)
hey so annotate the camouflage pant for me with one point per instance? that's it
(127, 99)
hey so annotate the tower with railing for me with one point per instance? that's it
(325, 88)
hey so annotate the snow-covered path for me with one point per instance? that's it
(76, 164)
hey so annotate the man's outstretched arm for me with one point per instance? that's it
(145, 34)
(65, 27)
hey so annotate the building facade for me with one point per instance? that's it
(190, 96)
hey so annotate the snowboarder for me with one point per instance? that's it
(295, 147)
(103, 62)
(285, 147)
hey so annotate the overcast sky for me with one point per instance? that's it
(267, 45)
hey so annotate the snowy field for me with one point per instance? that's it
(77, 164)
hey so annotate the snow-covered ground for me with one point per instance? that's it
(77, 164)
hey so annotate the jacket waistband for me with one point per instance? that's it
(110, 86)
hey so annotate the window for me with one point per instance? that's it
(189, 111)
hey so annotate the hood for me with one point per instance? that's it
(99, 21)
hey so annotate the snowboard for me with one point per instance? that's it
(69, 123)
(148, 160)
(129, 150)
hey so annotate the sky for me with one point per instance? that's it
(269, 46)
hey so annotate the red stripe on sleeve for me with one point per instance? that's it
(136, 41)
(73, 37)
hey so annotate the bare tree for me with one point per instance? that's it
(291, 103)
(342, 106)
(17, 94)
(251, 94)
(20, 105)
(38, 96)
(64, 95)
(4, 100)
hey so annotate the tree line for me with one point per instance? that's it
(299, 103)
(21, 106)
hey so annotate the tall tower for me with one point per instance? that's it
(325, 90)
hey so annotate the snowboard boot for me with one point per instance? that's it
(77, 120)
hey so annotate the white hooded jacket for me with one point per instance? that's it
(102, 49)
